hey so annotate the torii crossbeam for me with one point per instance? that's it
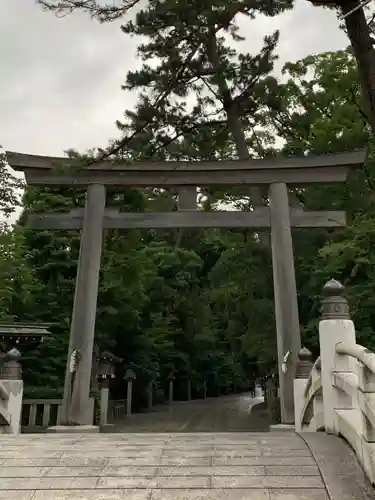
(260, 218)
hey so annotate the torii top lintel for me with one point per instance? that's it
(298, 170)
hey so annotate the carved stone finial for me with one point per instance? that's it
(305, 355)
(10, 368)
(333, 287)
(334, 305)
(304, 363)
(13, 355)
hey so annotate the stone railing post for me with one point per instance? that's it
(171, 379)
(302, 375)
(104, 401)
(270, 393)
(188, 381)
(105, 366)
(12, 389)
(335, 326)
(150, 389)
(366, 382)
(130, 377)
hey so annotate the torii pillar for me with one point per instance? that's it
(77, 407)
(286, 299)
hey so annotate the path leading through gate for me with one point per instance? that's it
(235, 413)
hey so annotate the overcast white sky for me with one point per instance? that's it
(60, 78)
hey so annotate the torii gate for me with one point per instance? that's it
(276, 173)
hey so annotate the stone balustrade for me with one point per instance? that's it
(11, 392)
(4, 413)
(337, 393)
(41, 413)
(36, 415)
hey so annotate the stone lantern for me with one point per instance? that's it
(130, 374)
(150, 389)
(130, 377)
(21, 334)
(106, 366)
(13, 336)
(106, 371)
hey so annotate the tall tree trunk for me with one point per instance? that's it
(360, 39)
(233, 115)
(257, 195)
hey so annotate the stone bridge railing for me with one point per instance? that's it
(4, 413)
(41, 413)
(11, 392)
(337, 393)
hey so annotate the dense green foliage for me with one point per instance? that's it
(202, 305)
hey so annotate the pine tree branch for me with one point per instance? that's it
(360, 110)
(103, 13)
(121, 144)
(282, 126)
(216, 94)
(184, 131)
(245, 93)
(260, 146)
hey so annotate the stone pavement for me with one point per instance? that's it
(232, 413)
(161, 466)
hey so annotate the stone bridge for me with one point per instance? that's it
(143, 465)
(216, 449)
(211, 450)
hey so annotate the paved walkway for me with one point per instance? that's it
(232, 413)
(204, 466)
(180, 465)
